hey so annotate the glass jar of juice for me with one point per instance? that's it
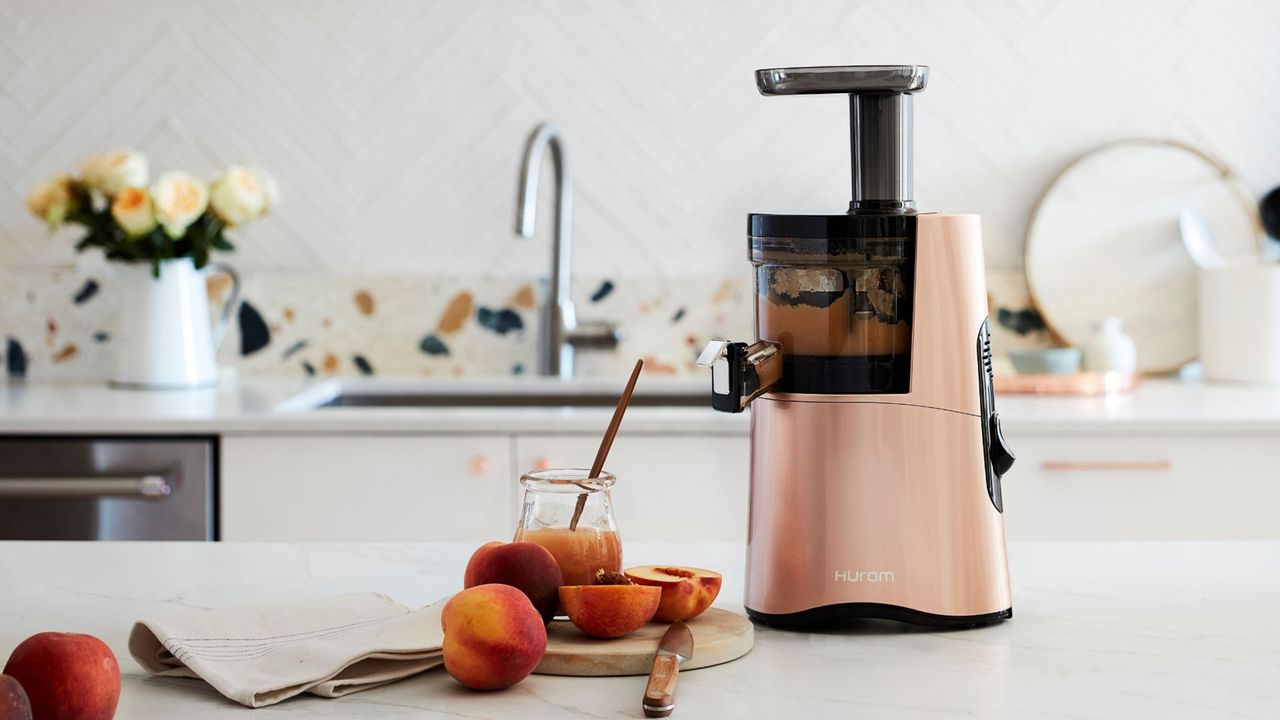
(551, 497)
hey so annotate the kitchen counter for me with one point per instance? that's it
(258, 405)
(1115, 630)
(265, 405)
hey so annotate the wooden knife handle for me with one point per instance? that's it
(660, 693)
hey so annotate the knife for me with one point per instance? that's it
(675, 647)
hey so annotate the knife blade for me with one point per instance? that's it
(675, 647)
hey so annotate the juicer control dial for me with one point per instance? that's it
(1001, 456)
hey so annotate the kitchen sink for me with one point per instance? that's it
(428, 400)
(389, 394)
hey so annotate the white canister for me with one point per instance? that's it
(164, 338)
(1240, 322)
(1110, 349)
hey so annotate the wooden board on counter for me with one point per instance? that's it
(718, 637)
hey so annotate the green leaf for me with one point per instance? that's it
(200, 254)
(157, 240)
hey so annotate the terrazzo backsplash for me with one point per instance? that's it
(59, 323)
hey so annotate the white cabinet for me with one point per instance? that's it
(671, 488)
(358, 488)
(1143, 487)
(685, 487)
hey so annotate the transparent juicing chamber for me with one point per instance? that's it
(839, 307)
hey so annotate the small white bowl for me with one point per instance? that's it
(1045, 361)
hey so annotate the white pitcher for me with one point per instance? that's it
(164, 337)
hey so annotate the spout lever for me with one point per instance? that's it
(740, 372)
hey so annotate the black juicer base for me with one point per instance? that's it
(829, 616)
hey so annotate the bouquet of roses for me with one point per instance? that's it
(176, 216)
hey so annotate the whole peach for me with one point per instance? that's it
(526, 566)
(493, 637)
(13, 700)
(67, 676)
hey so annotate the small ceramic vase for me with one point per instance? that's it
(1110, 349)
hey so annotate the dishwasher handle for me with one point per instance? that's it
(143, 486)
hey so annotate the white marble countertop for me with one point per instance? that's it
(263, 405)
(1100, 630)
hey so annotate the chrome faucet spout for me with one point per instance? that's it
(560, 334)
(559, 319)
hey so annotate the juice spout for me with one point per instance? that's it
(740, 372)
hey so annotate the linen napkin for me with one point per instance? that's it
(262, 654)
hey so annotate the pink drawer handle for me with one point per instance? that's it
(1137, 466)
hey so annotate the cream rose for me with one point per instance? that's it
(270, 188)
(51, 200)
(114, 171)
(179, 199)
(238, 196)
(133, 211)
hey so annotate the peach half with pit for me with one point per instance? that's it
(609, 611)
(686, 591)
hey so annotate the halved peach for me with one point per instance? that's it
(609, 611)
(686, 591)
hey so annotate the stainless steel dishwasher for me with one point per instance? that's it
(74, 488)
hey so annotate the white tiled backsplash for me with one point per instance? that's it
(395, 129)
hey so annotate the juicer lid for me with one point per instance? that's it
(828, 227)
(830, 239)
(843, 79)
(880, 125)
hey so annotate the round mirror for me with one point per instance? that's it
(1104, 240)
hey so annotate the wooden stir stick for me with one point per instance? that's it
(609, 434)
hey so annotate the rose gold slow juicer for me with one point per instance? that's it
(876, 451)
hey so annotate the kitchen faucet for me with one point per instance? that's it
(561, 334)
